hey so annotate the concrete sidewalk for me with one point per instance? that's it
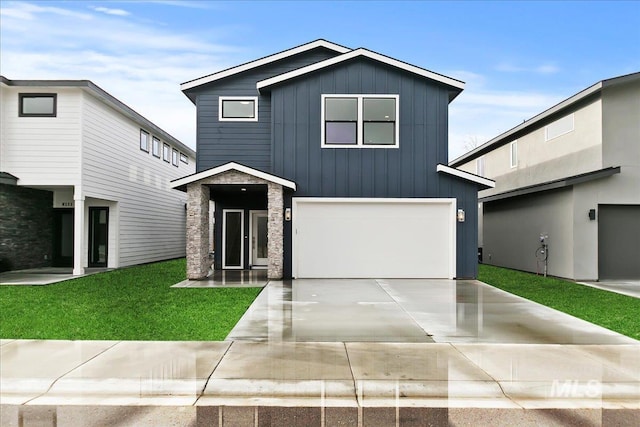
(311, 383)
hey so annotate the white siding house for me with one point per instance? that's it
(110, 201)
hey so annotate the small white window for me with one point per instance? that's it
(155, 147)
(144, 140)
(559, 127)
(357, 121)
(514, 154)
(238, 109)
(184, 159)
(480, 166)
(174, 157)
(166, 152)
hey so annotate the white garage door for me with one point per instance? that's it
(374, 238)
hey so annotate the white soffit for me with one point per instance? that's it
(263, 61)
(357, 53)
(466, 175)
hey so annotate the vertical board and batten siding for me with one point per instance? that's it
(407, 171)
(41, 151)
(150, 215)
(248, 143)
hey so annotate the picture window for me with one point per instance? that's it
(238, 109)
(38, 104)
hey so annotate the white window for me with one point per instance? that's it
(37, 104)
(480, 166)
(514, 154)
(352, 121)
(238, 108)
(155, 147)
(144, 140)
(559, 127)
(166, 152)
(184, 159)
(174, 157)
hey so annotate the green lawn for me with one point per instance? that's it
(617, 312)
(135, 303)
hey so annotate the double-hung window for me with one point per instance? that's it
(360, 121)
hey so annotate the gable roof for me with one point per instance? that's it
(101, 94)
(509, 135)
(181, 183)
(263, 61)
(456, 85)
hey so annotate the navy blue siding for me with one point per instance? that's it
(248, 143)
(407, 171)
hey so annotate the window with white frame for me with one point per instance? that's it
(559, 127)
(480, 166)
(155, 147)
(174, 157)
(144, 140)
(184, 158)
(350, 121)
(513, 154)
(166, 152)
(37, 104)
(238, 109)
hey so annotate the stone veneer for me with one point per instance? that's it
(198, 196)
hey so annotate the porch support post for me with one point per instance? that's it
(198, 262)
(78, 232)
(275, 235)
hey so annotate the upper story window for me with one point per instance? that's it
(155, 147)
(174, 157)
(238, 109)
(184, 159)
(144, 140)
(513, 154)
(166, 152)
(559, 127)
(352, 121)
(38, 104)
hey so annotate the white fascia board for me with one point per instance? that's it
(263, 61)
(232, 166)
(356, 53)
(466, 175)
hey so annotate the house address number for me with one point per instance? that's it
(67, 204)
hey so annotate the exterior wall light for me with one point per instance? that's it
(460, 215)
(287, 214)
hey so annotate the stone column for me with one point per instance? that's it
(198, 262)
(78, 232)
(275, 232)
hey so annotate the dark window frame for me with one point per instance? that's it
(155, 140)
(175, 156)
(166, 152)
(22, 96)
(145, 149)
(184, 158)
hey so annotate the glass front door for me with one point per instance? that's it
(98, 236)
(259, 238)
(233, 239)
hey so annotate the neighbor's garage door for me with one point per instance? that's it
(379, 238)
(619, 242)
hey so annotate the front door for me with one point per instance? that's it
(63, 238)
(98, 236)
(232, 239)
(259, 238)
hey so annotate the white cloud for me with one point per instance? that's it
(139, 63)
(508, 67)
(109, 11)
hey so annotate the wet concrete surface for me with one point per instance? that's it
(408, 310)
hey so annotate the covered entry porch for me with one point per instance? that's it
(248, 204)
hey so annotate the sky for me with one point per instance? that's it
(517, 58)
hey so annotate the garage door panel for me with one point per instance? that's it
(366, 239)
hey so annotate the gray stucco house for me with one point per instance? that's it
(326, 162)
(571, 173)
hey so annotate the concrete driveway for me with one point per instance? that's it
(409, 310)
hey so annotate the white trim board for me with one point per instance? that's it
(361, 52)
(263, 61)
(232, 166)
